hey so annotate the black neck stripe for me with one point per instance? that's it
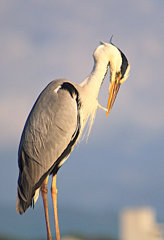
(124, 64)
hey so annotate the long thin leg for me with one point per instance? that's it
(54, 200)
(44, 192)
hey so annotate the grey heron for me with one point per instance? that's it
(56, 123)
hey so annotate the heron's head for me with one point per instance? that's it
(119, 68)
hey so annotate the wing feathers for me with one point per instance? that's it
(49, 135)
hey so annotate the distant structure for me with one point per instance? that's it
(140, 224)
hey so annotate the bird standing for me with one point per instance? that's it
(55, 124)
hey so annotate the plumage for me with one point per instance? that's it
(57, 121)
(40, 150)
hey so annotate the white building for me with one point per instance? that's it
(139, 224)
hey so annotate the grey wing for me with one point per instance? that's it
(47, 139)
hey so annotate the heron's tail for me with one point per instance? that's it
(22, 204)
(24, 192)
(18, 206)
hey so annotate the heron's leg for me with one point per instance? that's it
(44, 192)
(54, 199)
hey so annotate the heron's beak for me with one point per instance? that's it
(113, 90)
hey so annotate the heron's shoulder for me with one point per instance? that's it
(57, 82)
(62, 84)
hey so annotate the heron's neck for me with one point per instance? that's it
(95, 79)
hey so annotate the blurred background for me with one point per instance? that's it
(123, 161)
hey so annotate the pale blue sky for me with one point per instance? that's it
(122, 163)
